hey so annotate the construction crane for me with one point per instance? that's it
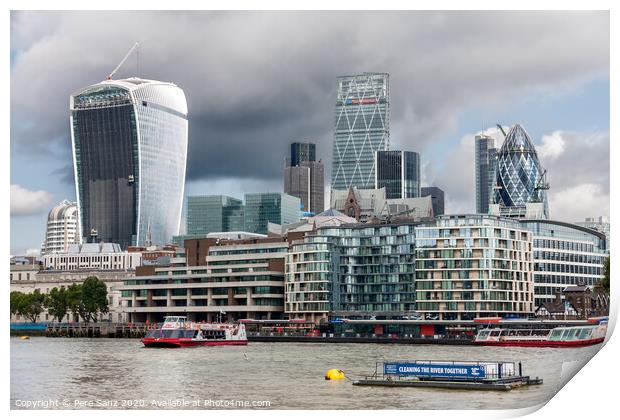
(132, 49)
(541, 184)
(501, 129)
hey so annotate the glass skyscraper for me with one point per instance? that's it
(213, 213)
(302, 152)
(437, 197)
(486, 159)
(520, 178)
(398, 172)
(262, 208)
(362, 127)
(129, 140)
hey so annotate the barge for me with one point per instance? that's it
(465, 375)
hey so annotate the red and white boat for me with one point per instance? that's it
(577, 336)
(176, 331)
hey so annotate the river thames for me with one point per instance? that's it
(120, 373)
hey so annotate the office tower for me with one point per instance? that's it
(264, 208)
(62, 228)
(129, 141)
(486, 159)
(399, 172)
(565, 255)
(437, 197)
(520, 179)
(304, 177)
(213, 213)
(302, 152)
(362, 127)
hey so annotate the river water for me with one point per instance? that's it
(120, 373)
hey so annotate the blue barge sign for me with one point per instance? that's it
(446, 370)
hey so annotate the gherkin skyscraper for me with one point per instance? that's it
(520, 179)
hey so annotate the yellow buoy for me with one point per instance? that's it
(24, 337)
(334, 375)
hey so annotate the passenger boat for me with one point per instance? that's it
(577, 336)
(176, 331)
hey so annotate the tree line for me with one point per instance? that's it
(89, 300)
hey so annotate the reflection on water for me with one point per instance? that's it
(289, 375)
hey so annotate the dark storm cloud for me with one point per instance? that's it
(256, 81)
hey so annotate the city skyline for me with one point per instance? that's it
(568, 119)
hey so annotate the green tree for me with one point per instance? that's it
(33, 304)
(74, 300)
(94, 298)
(605, 280)
(17, 303)
(57, 303)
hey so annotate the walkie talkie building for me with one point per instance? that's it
(129, 140)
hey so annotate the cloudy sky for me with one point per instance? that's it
(256, 81)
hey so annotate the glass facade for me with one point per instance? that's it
(262, 208)
(565, 255)
(129, 142)
(362, 127)
(354, 271)
(437, 198)
(302, 152)
(519, 175)
(213, 213)
(398, 172)
(486, 160)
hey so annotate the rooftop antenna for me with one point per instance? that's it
(135, 46)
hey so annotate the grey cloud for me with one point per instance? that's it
(257, 80)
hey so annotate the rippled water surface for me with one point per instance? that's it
(288, 375)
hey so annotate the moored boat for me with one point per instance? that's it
(176, 331)
(574, 336)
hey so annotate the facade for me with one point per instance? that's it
(366, 205)
(263, 208)
(362, 127)
(129, 140)
(565, 255)
(306, 182)
(62, 228)
(486, 161)
(437, 198)
(351, 271)
(520, 187)
(45, 281)
(399, 172)
(24, 272)
(601, 224)
(102, 256)
(213, 213)
(471, 266)
(228, 281)
(302, 152)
